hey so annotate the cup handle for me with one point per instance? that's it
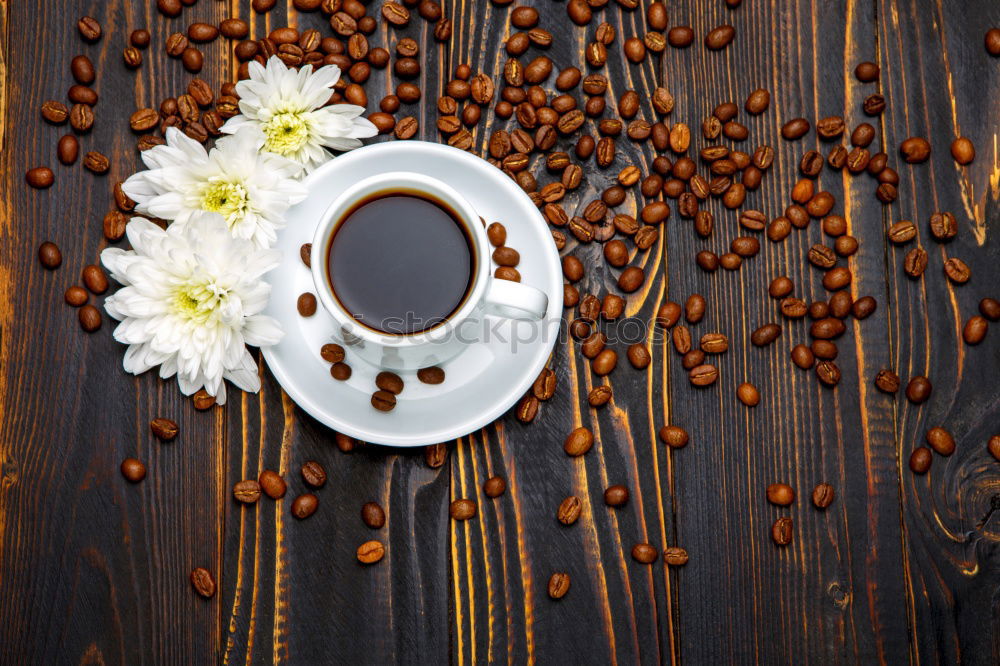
(516, 301)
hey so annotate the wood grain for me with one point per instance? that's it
(899, 569)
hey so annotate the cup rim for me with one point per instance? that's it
(422, 183)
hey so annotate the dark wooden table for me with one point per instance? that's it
(901, 568)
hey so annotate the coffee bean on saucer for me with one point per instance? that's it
(370, 552)
(431, 375)
(340, 371)
(462, 509)
(247, 492)
(494, 486)
(389, 381)
(164, 430)
(559, 581)
(305, 254)
(202, 582)
(313, 474)
(384, 401)
(272, 484)
(304, 505)
(133, 470)
(332, 353)
(497, 234)
(307, 304)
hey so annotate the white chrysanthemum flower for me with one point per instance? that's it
(191, 302)
(251, 190)
(288, 107)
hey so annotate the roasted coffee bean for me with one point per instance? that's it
(406, 128)
(304, 505)
(83, 70)
(90, 29)
(915, 150)
(918, 390)
(569, 510)
(94, 279)
(67, 149)
(827, 328)
(668, 314)
(638, 356)
(956, 270)
(902, 232)
(202, 582)
(675, 557)
(89, 318)
(599, 395)
(631, 279)
(370, 552)
(54, 112)
(306, 304)
(559, 582)
(673, 436)
(604, 363)
(780, 287)
(75, 296)
(40, 178)
(941, 441)
(748, 394)
(494, 487)
(803, 357)
(824, 349)
(780, 494)
(527, 409)
(974, 330)
(96, 163)
(874, 104)
(943, 226)
(963, 150)
(794, 308)
(714, 343)
(720, 37)
(830, 127)
(247, 492)
(781, 531)
(144, 120)
(765, 335)
(612, 306)
(313, 474)
(616, 495)
(272, 484)
(795, 129)
(644, 553)
(506, 256)
(545, 385)
(886, 192)
(920, 460)
(590, 308)
(837, 278)
(887, 381)
(383, 400)
(845, 246)
(681, 339)
(164, 430)
(864, 307)
(462, 509)
(703, 375)
(754, 220)
(694, 308)
(993, 445)
(133, 470)
(990, 308)
(758, 101)
(915, 262)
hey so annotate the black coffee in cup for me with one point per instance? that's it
(400, 262)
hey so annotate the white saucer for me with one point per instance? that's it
(481, 383)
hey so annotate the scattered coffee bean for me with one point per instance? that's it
(956, 270)
(675, 557)
(569, 510)
(993, 446)
(40, 178)
(559, 582)
(247, 492)
(313, 474)
(941, 441)
(494, 487)
(133, 470)
(164, 430)
(822, 495)
(887, 381)
(431, 375)
(781, 531)
(372, 515)
(389, 381)
(89, 318)
(975, 330)
(918, 390)
(748, 394)
(780, 494)
(673, 436)
(990, 308)
(578, 442)
(644, 553)
(370, 552)
(616, 496)
(272, 484)
(920, 460)
(306, 304)
(340, 371)
(304, 505)
(462, 509)
(90, 29)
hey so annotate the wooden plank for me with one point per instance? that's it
(936, 78)
(101, 566)
(835, 594)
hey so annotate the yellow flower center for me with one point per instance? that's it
(196, 302)
(227, 199)
(286, 133)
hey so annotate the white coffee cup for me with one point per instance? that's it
(487, 295)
